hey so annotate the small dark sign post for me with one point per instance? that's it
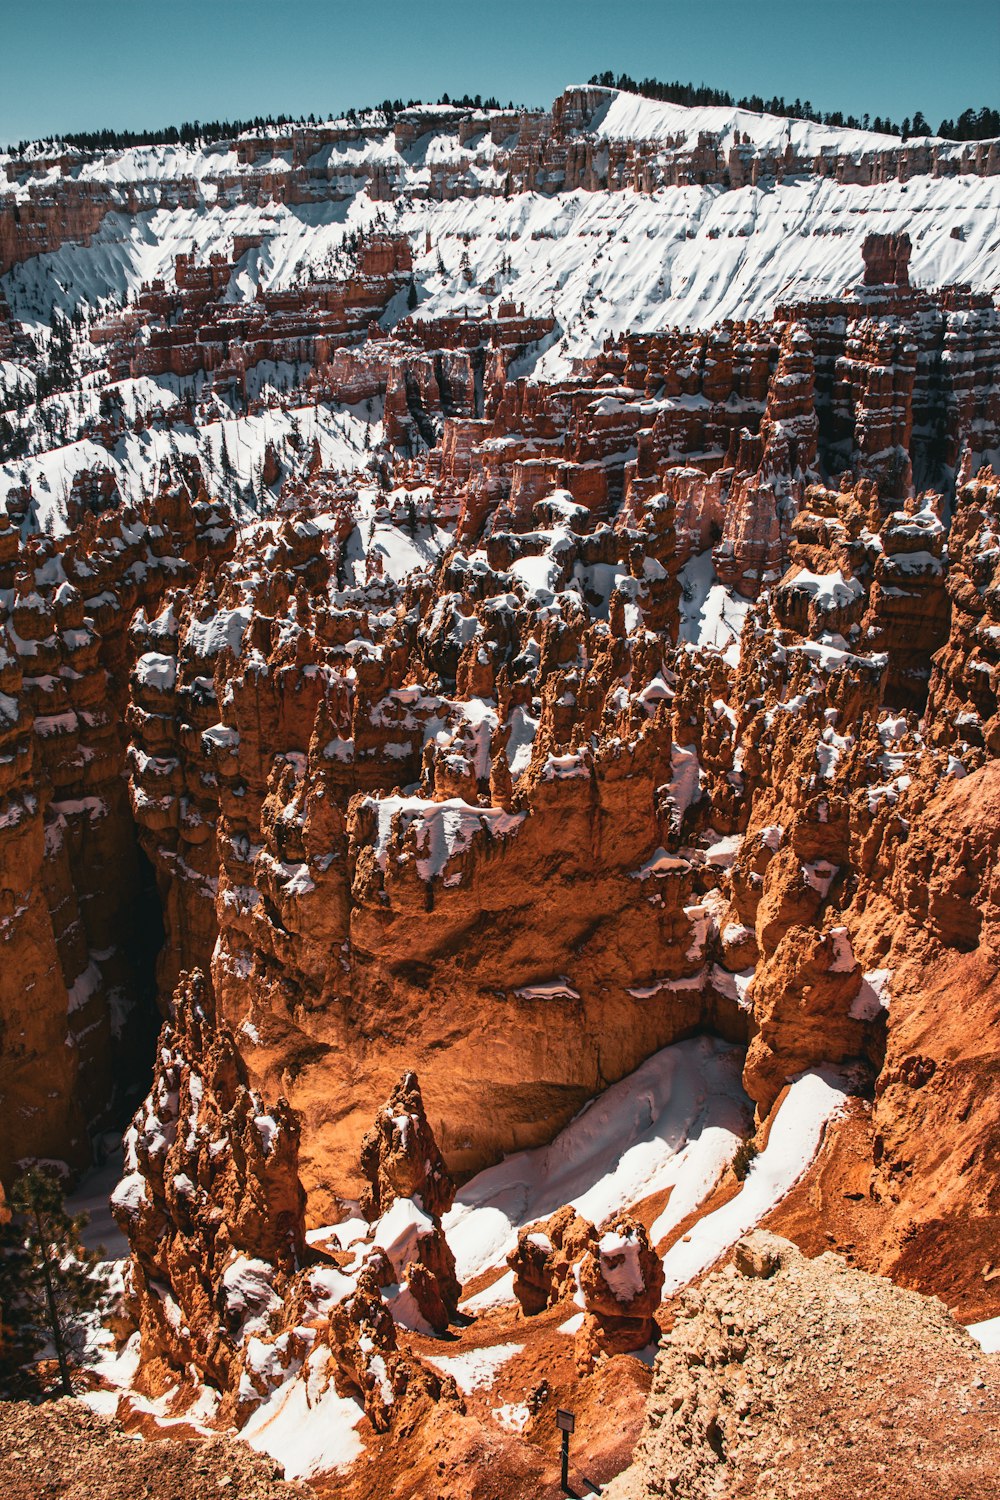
(566, 1422)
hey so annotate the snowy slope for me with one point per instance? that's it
(631, 117)
(673, 1123)
(603, 262)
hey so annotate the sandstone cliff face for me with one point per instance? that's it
(74, 991)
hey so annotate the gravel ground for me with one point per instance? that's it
(62, 1448)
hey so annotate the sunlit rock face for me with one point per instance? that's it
(496, 609)
(477, 770)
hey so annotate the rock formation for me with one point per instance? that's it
(220, 1286)
(613, 1274)
(211, 1201)
(503, 732)
(784, 1375)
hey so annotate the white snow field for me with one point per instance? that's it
(813, 1100)
(673, 1123)
(600, 262)
(986, 1335)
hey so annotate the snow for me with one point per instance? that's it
(522, 736)
(442, 829)
(722, 852)
(631, 117)
(405, 1308)
(267, 1128)
(986, 1335)
(828, 591)
(499, 1293)
(305, 1425)
(475, 1369)
(248, 1292)
(84, 987)
(619, 1262)
(685, 779)
(659, 863)
(843, 954)
(553, 989)
(672, 1124)
(154, 670)
(398, 1231)
(347, 1233)
(93, 1197)
(873, 997)
(328, 1287)
(402, 554)
(711, 613)
(812, 1101)
(130, 1194)
(225, 628)
(513, 1416)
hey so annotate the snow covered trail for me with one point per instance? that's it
(813, 1100)
(673, 1123)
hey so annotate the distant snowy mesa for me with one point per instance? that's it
(610, 213)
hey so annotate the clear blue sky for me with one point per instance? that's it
(81, 64)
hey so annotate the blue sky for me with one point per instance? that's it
(80, 64)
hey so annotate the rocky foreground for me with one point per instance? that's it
(795, 1377)
(64, 1450)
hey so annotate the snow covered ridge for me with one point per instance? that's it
(463, 136)
(436, 157)
(666, 219)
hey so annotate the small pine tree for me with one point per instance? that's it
(48, 1280)
(411, 295)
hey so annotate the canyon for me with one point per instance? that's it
(500, 774)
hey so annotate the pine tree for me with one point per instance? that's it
(411, 295)
(47, 1278)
